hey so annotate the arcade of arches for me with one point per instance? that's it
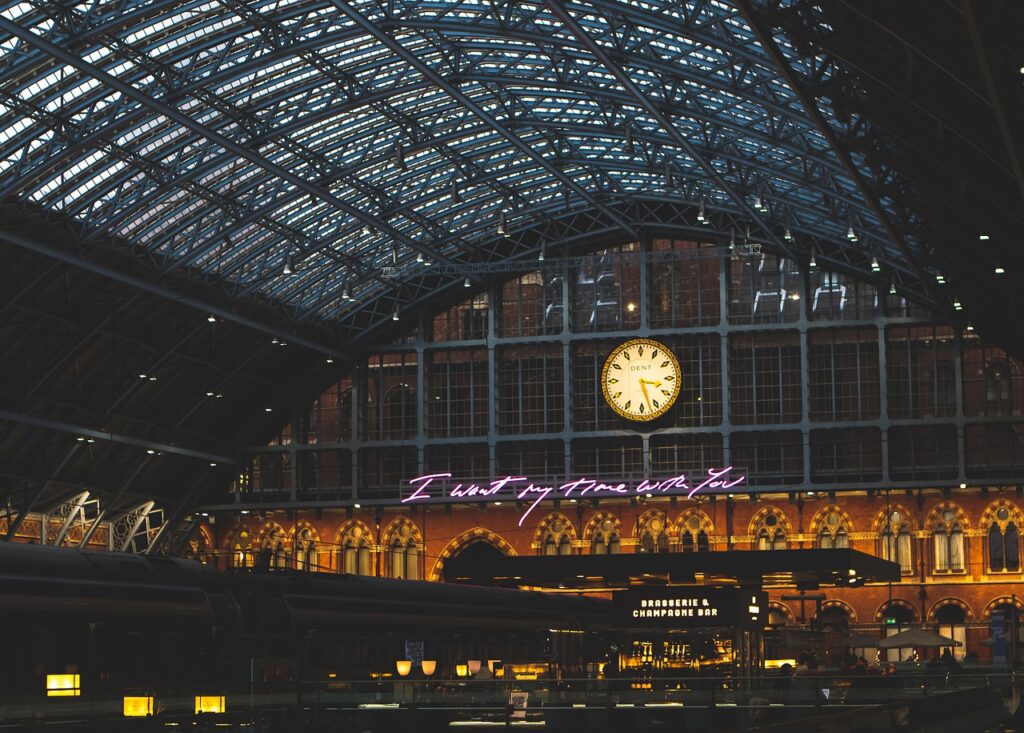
(961, 556)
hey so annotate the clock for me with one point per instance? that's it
(641, 379)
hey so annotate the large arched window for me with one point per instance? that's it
(305, 550)
(556, 539)
(404, 552)
(400, 412)
(896, 543)
(896, 617)
(948, 541)
(273, 549)
(242, 555)
(1003, 542)
(770, 532)
(997, 389)
(354, 551)
(605, 539)
(833, 533)
(694, 532)
(653, 533)
(952, 623)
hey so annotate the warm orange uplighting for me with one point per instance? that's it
(404, 666)
(492, 663)
(210, 704)
(474, 666)
(138, 707)
(429, 666)
(63, 685)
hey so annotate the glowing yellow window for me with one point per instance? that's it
(63, 685)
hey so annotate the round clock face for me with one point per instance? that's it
(641, 379)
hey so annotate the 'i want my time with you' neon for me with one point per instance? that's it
(438, 487)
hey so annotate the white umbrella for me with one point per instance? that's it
(916, 638)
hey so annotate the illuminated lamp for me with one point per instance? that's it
(137, 707)
(404, 666)
(63, 685)
(210, 704)
(461, 670)
(474, 666)
(429, 666)
(492, 663)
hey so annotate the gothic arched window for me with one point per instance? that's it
(1003, 542)
(896, 543)
(948, 539)
(354, 549)
(769, 533)
(653, 534)
(405, 553)
(305, 550)
(605, 540)
(833, 534)
(556, 540)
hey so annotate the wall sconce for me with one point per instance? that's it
(474, 666)
(210, 704)
(63, 685)
(137, 707)
(429, 666)
(404, 666)
(461, 670)
(492, 663)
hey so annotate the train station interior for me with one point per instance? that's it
(579, 365)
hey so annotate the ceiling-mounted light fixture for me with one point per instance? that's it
(456, 193)
(999, 270)
(212, 319)
(629, 148)
(788, 236)
(700, 213)
(892, 287)
(543, 247)
(875, 267)
(419, 258)
(813, 263)
(288, 269)
(466, 283)
(970, 326)
(850, 234)
(502, 230)
(400, 157)
(346, 292)
(394, 316)
(983, 237)
(668, 175)
(957, 305)
(732, 241)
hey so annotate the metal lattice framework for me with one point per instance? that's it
(237, 140)
(306, 171)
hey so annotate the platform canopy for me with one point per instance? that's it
(805, 569)
(208, 207)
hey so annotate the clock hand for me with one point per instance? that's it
(647, 398)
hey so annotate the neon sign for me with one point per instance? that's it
(439, 487)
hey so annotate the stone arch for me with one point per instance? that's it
(821, 516)
(937, 511)
(783, 609)
(900, 603)
(968, 613)
(689, 528)
(990, 514)
(652, 531)
(597, 521)
(1001, 600)
(301, 525)
(759, 516)
(846, 607)
(306, 547)
(881, 518)
(546, 523)
(395, 526)
(477, 534)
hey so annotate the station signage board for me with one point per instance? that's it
(689, 607)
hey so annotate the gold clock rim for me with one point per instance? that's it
(661, 410)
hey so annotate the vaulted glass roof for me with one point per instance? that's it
(384, 149)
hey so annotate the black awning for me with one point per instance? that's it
(805, 569)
